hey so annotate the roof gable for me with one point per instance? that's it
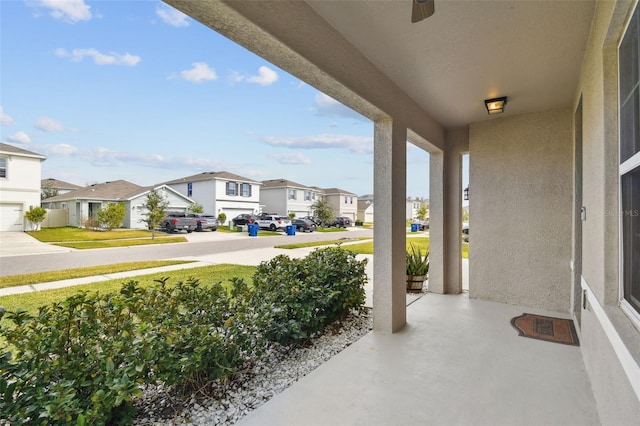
(205, 176)
(5, 148)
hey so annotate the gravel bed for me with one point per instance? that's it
(234, 398)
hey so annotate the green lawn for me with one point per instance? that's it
(422, 242)
(81, 238)
(206, 274)
(44, 277)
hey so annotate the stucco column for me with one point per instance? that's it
(445, 214)
(389, 232)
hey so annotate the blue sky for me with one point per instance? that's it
(135, 90)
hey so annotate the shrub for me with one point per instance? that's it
(111, 216)
(295, 298)
(222, 218)
(86, 358)
(36, 216)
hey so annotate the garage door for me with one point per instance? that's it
(11, 217)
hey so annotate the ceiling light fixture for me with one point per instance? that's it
(422, 9)
(495, 105)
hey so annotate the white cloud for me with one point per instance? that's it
(61, 149)
(50, 125)
(5, 119)
(70, 11)
(295, 158)
(266, 76)
(199, 73)
(20, 137)
(327, 106)
(171, 16)
(355, 144)
(113, 58)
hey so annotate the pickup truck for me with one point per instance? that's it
(178, 221)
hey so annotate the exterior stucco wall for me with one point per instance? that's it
(521, 211)
(273, 200)
(610, 342)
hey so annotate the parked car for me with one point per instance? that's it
(341, 222)
(423, 225)
(313, 219)
(304, 225)
(273, 222)
(205, 221)
(244, 219)
(178, 221)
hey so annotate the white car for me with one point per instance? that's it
(273, 222)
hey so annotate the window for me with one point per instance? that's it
(629, 66)
(350, 200)
(231, 188)
(3, 167)
(346, 199)
(245, 190)
(292, 194)
(189, 189)
(307, 195)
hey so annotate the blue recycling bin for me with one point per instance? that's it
(414, 227)
(253, 229)
(291, 230)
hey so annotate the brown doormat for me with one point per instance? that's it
(558, 330)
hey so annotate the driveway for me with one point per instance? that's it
(21, 243)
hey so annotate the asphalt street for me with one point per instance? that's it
(40, 258)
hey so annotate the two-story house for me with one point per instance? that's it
(51, 187)
(220, 192)
(20, 174)
(283, 197)
(413, 206)
(344, 203)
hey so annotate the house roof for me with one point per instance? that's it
(364, 204)
(58, 184)
(204, 176)
(333, 191)
(283, 183)
(5, 148)
(113, 191)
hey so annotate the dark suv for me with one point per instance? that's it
(342, 222)
(244, 219)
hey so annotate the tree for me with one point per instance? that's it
(423, 211)
(156, 206)
(111, 216)
(48, 191)
(36, 215)
(323, 211)
(196, 208)
(222, 217)
(292, 215)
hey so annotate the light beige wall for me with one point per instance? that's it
(520, 212)
(610, 343)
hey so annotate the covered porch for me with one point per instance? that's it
(457, 362)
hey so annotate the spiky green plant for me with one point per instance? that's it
(417, 263)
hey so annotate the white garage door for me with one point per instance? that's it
(11, 217)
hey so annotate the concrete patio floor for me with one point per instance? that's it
(457, 362)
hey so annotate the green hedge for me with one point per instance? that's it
(84, 360)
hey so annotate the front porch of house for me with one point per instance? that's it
(457, 361)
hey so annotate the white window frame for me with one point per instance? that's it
(292, 194)
(630, 164)
(5, 167)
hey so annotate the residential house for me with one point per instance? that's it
(283, 197)
(365, 211)
(51, 187)
(544, 98)
(220, 192)
(20, 174)
(344, 203)
(413, 206)
(83, 204)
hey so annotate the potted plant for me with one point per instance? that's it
(417, 268)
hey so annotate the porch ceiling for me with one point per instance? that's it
(435, 73)
(468, 51)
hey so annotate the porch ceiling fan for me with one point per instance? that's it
(421, 9)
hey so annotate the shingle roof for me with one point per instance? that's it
(330, 191)
(10, 149)
(58, 184)
(114, 191)
(282, 183)
(210, 176)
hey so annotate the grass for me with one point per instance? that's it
(321, 229)
(421, 242)
(44, 277)
(319, 243)
(207, 275)
(81, 238)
